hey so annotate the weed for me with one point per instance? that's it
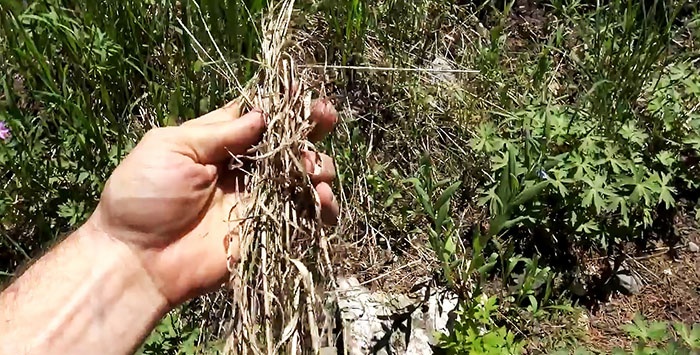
(476, 333)
(171, 337)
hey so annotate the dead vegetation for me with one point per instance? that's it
(280, 282)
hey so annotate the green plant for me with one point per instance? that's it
(60, 153)
(172, 337)
(349, 21)
(475, 330)
(81, 81)
(436, 207)
(476, 333)
(656, 338)
(610, 186)
(618, 156)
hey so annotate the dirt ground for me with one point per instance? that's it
(671, 291)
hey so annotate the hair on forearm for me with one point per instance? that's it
(24, 266)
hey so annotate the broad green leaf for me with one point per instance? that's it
(533, 303)
(491, 198)
(657, 331)
(588, 227)
(638, 328)
(666, 158)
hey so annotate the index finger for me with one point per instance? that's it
(228, 112)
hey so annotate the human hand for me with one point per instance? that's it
(169, 201)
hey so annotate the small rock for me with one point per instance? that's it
(630, 284)
(445, 76)
(693, 247)
(578, 288)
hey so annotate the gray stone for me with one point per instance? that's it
(443, 74)
(693, 247)
(386, 323)
(629, 283)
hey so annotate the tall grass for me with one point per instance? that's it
(81, 80)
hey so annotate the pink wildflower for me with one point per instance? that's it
(4, 131)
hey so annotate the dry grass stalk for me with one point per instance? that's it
(279, 282)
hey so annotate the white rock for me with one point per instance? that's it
(380, 322)
(693, 247)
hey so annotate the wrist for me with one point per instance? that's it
(85, 292)
(116, 260)
(153, 262)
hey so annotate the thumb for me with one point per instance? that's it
(211, 143)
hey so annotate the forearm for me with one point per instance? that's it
(88, 295)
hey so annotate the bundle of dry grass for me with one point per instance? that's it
(279, 282)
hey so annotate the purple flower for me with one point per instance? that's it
(4, 131)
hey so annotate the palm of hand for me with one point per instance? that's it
(170, 200)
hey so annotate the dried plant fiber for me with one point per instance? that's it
(279, 283)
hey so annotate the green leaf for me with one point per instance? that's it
(487, 267)
(491, 198)
(496, 224)
(503, 190)
(666, 191)
(533, 303)
(422, 196)
(450, 246)
(447, 194)
(666, 158)
(425, 200)
(593, 195)
(529, 194)
(512, 222)
(511, 265)
(638, 328)
(390, 200)
(588, 227)
(657, 331)
(440, 222)
(197, 66)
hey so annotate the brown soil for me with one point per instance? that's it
(671, 292)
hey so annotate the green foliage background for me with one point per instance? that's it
(579, 133)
